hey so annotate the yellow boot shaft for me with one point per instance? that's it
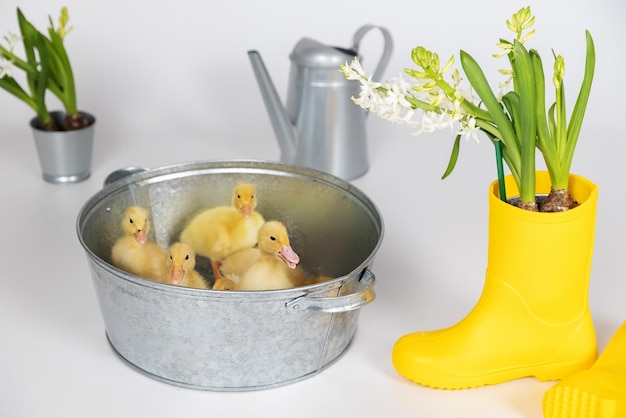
(544, 256)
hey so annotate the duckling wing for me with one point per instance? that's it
(123, 252)
(266, 274)
(239, 262)
(154, 265)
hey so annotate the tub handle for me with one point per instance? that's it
(122, 173)
(340, 303)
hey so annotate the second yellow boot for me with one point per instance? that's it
(598, 392)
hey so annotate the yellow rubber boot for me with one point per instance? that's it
(533, 317)
(598, 392)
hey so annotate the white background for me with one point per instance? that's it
(170, 82)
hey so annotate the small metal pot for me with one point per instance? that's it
(64, 156)
(235, 340)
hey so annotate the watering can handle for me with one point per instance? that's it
(346, 303)
(387, 47)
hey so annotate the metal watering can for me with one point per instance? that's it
(320, 127)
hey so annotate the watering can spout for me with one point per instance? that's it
(283, 128)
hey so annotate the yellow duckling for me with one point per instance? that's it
(182, 267)
(276, 258)
(235, 266)
(224, 283)
(220, 231)
(133, 252)
(301, 278)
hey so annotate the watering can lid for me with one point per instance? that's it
(310, 53)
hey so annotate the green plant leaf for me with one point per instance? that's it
(578, 113)
(454, 156)
(10, 85)
(511, 102)
(29, 38)
(560, 122)
(42, 81)
(544, 137)
(18, 62)
(63, 74)
(552, 120)
(479, 82)
(523, 70)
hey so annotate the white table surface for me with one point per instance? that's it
(56, 362)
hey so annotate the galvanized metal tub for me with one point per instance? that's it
(235, 340)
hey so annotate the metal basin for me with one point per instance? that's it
(235, 340)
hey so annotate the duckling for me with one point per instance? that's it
(276, 258)
(235, 266)
(299, 277)
(182, 267)
(220, 231)
(133, 252)
(224, 283)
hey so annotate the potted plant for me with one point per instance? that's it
(63, 138)
(532, 318)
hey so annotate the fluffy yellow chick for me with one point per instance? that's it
(220, 231)
(300, 278)
(224, 283)
(133, 252)
(235, 266)
(276, 259)
(182, 267)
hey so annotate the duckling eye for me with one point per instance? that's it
(273, 238)
(131, 220)
(187, 257)
(238, 196)
(171, 257)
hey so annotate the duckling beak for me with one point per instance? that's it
(246, 211)
(289, 256)
(177, 274)
(140, 236)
